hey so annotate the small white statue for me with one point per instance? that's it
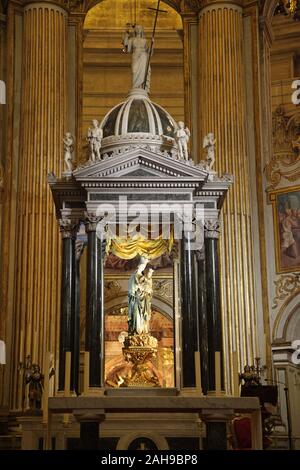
(69, 149)
(94, 138)
(209, 143)
(182, 136)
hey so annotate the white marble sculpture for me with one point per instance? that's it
(182, 136)
(134, 42)
(69, 149)
(209, 143)
(94, 138)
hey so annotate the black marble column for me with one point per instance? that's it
(188, 311)
(89, 435)
(68, 231)
(216, 435)
(213, 304)
(94, 331)
(202, 341)
(75, 362)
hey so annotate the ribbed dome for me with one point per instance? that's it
(138, 115)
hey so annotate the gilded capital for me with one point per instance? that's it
(220, 4)
(66, 5)
(91, 221)
(68, 228)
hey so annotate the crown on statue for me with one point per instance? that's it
(144, 259)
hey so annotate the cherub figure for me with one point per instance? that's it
(94, 138)
(69, 149)
(182, 136)
(209, 143)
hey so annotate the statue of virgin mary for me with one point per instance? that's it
(139, 300)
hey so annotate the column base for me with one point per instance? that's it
(93, 392)
(215, 393)
(190, 392)
(63, 393)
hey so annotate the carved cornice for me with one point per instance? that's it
(68, 228)
(211, 228)
(286, 286)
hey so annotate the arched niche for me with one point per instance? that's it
(287, 324)
(116, 13)
(106, 69)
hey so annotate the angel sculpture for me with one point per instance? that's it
(94, 138)
(209, 143)
(69, 149)
(182, 136)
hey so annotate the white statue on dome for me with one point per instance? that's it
(69, 149)
(94, 138)
(182, 136)
(135, 42)
(209, 143)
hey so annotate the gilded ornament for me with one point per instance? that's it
(287, 285)
(163, 288)
(112, 289)
(285, 161)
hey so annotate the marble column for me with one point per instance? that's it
(43, 104)
(213, 305)
(222, 104)
(89, 428)
(94, 328)
(202, 340)
(68, 298)
(188, 312)
(217, 424)
(75, 363)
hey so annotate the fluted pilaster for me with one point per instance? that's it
(37, 305)
(222, 111)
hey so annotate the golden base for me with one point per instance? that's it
(138, 350)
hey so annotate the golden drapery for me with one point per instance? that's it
(129, 248)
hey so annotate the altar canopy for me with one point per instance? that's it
(128, 248)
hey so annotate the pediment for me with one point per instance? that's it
(140, 164)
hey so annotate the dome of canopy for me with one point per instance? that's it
(137, 120)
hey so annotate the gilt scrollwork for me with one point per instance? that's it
(286, 286)
(163, 288)
(285, 161)
(112, 289)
